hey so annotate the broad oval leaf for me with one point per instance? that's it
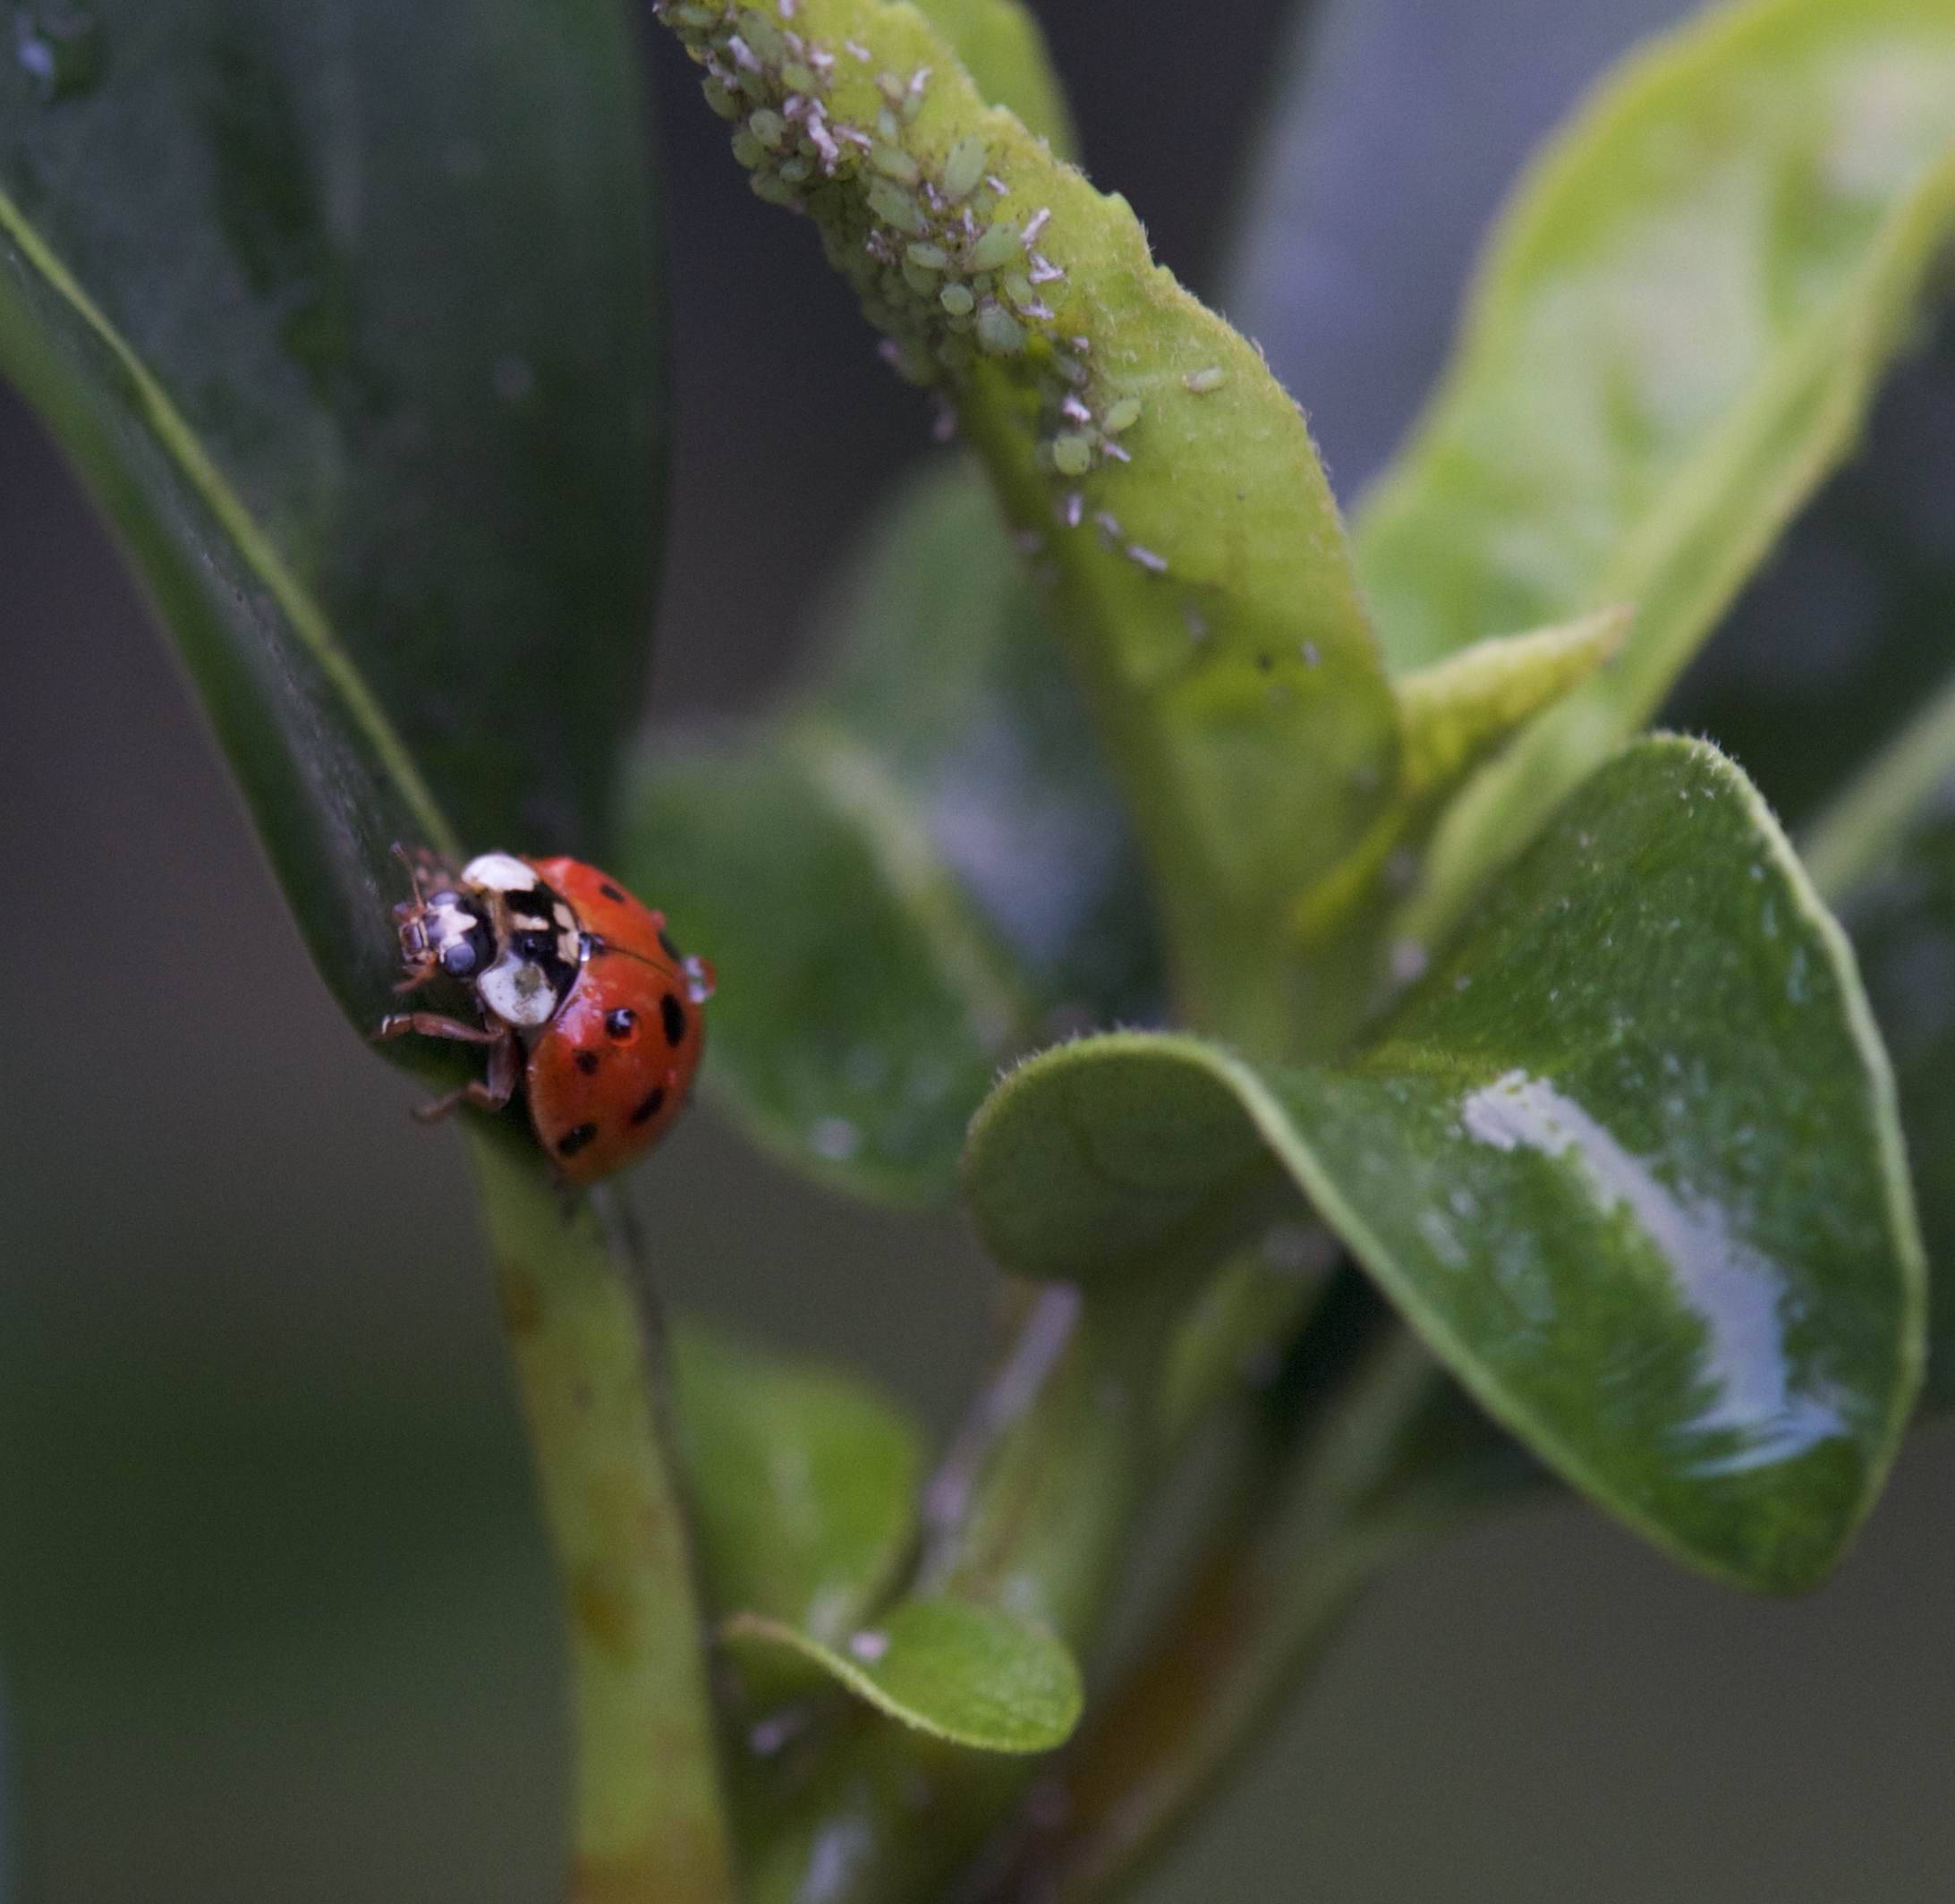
(397, 499)
(910, 875)
(973, 1675)
(804, 1483)
(1628, 1160)
(1676, 333)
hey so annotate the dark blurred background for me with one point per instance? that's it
(276, 1621)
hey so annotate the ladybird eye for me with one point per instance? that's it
(459, 960)
(622, 1022)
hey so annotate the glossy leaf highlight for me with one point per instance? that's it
(1627, 1158)
(397, 506)
(973, 1675)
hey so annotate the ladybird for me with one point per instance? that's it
(584, 1001)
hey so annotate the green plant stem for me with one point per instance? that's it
(1864, 825)
(648, 1824)
(1308, 1532)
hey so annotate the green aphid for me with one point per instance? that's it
(964, 166)
(762, 36)
(747, 149)
(1122, 415)
(1204, 381)
(998, 332)
(1020, 289)
(957, 300)
(922, 281)
(797, 171)
(894, 162)
(698, 18)
(997, 247)
(721, 101)
(1072, 454)
(769, 127)
(929, 257)
(797, 76)
(776, 189)
(896, 206)
(888, 127)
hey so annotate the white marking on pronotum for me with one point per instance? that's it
(1037, 223)
(1155, 564)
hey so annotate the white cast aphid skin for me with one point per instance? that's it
(498, 872)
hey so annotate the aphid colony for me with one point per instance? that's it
(581, 997)
(949, 282)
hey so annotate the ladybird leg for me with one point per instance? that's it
(435, 1025)
(490, 1093)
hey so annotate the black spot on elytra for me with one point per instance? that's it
(670, 950)
(610, 891)
(587, 1062)
(621, 1022)
(652, 1107)
(672, 1016)
(573, 1141)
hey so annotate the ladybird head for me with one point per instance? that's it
(538, 944)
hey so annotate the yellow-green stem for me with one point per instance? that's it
(648, 1825)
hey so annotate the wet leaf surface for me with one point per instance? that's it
(1628, 1160)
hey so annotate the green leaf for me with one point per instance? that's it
(1166, 485)
(804, 1483)
(973, 1675)
(1627, 1158)
(1675, 334)
(1002, 47)
(1901, 914)
(916, 871)
(397, 499)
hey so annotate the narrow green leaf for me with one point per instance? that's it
(973, 1675)
(935, 822)
(1460, 710)
(1166, 485)
(396, 500)
(1675, 334)
(1628, 1160)
(1002, 47)
(805, 1482)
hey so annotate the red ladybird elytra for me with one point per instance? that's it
(584, 1000)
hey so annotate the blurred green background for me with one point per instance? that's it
(275, 1623)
